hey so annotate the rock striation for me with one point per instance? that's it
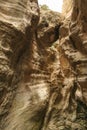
(73, 61)
(43, 66)
(67, 8)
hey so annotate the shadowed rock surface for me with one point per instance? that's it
(43, 66)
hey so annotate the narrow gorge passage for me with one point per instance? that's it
(43, 66)
(33, 89)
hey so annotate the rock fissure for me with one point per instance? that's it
(43, 66)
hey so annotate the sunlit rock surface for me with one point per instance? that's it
(67, 8)
(43, 66)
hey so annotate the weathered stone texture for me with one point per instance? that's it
(20, 13)
(43, 66)
(73, 60)
(67, 8)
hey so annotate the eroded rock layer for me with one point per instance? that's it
(67, 8)
(43, 66)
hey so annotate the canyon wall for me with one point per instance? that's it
(67, 7)
(73, 60)
(43, 66)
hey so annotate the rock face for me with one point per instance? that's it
(18, 21)
(73, 61)
(43, 66)
(48, 27)
(67, 8)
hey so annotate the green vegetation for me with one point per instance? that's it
(44, 7)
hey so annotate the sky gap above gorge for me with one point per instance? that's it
(55, 5)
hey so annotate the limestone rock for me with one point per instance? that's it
(73, 61)
(19, 13)
(48, 27)
(67, 8)
(43, 66)
(18, 20)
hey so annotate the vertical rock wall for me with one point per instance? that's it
(43, 66)
(67, 7)
(73, 60)
(18, 21)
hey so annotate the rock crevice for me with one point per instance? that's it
(43, 66)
